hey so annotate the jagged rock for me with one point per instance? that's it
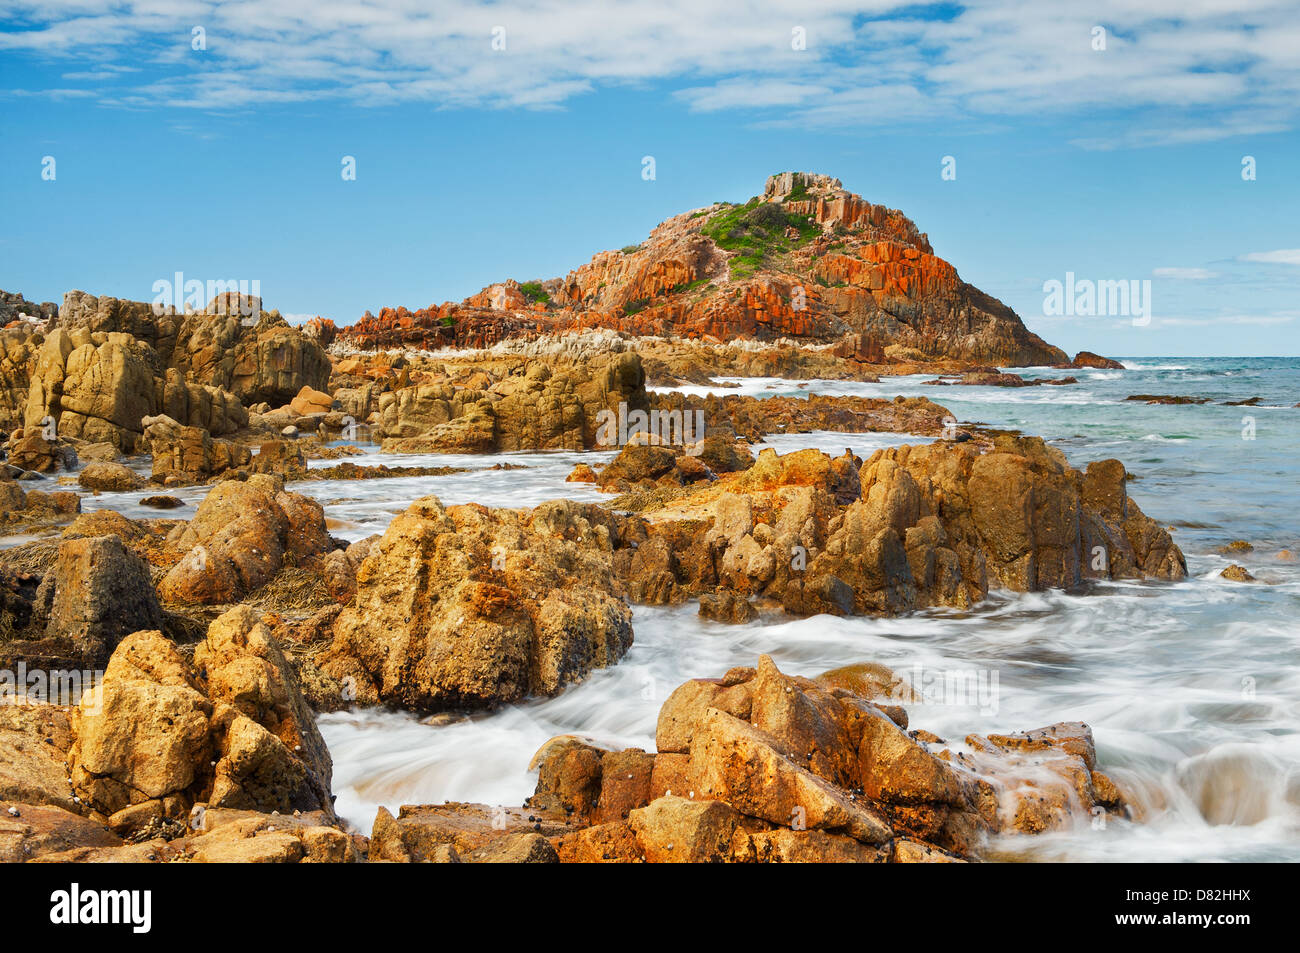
(1089, 359)
(761, 767)
(99, 386)
(29, 450)
(18, 349)
(544, 408)
(912, 526)
(726, 606)
(470, 607)
(184, 455)
(255, 356)
(235, 733)
(284, 457)
(96, 593)
(239, 539)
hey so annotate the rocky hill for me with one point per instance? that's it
(807, 260)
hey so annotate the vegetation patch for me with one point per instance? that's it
(756, 232)
(533, 292)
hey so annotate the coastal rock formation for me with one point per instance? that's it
(230, 731)
(14, 307)
(256, 356)
(1090, 360)
(540, 407)
(108, 363)
(99, 386)
(762, 767)
(109, 476)
(241, 537)
(183, 455)
(912, 526)
(469, 607)
(807, 260)
(18, 349)
(97, 593)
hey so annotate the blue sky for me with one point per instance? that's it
(475, 164)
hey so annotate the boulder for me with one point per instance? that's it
(184, 455)
(97, 592)
(470, 607)
(109, 476)
(239, 540)
(232, 731)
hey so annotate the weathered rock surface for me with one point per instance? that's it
(912, 526)
(109, 476)
(97, 593)
(231, 731)
(184, 455)
(240, 537)
(544, 407)
(761, 767)
(470, 607)
(256, 357)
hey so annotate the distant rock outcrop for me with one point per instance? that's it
(109, 363)
(807, 260)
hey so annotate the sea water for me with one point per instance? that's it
(1192, 689)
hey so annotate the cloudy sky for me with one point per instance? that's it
(1115, 141)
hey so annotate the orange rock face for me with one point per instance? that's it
(845, 271)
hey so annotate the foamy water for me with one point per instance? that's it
(1192, 689)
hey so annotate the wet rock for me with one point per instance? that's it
(726, 606)
(109, 476)
(161, 502)
(1167, 399)
(581, 473)
(1235, 573)
(799, 771)
(1087, 359)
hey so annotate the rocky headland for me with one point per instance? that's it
(212, 640)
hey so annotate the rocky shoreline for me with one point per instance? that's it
(209, 644)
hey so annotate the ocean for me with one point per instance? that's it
(1192, 689)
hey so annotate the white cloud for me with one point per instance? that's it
(1185, 274)
(1180, 72)
(1282, 256)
